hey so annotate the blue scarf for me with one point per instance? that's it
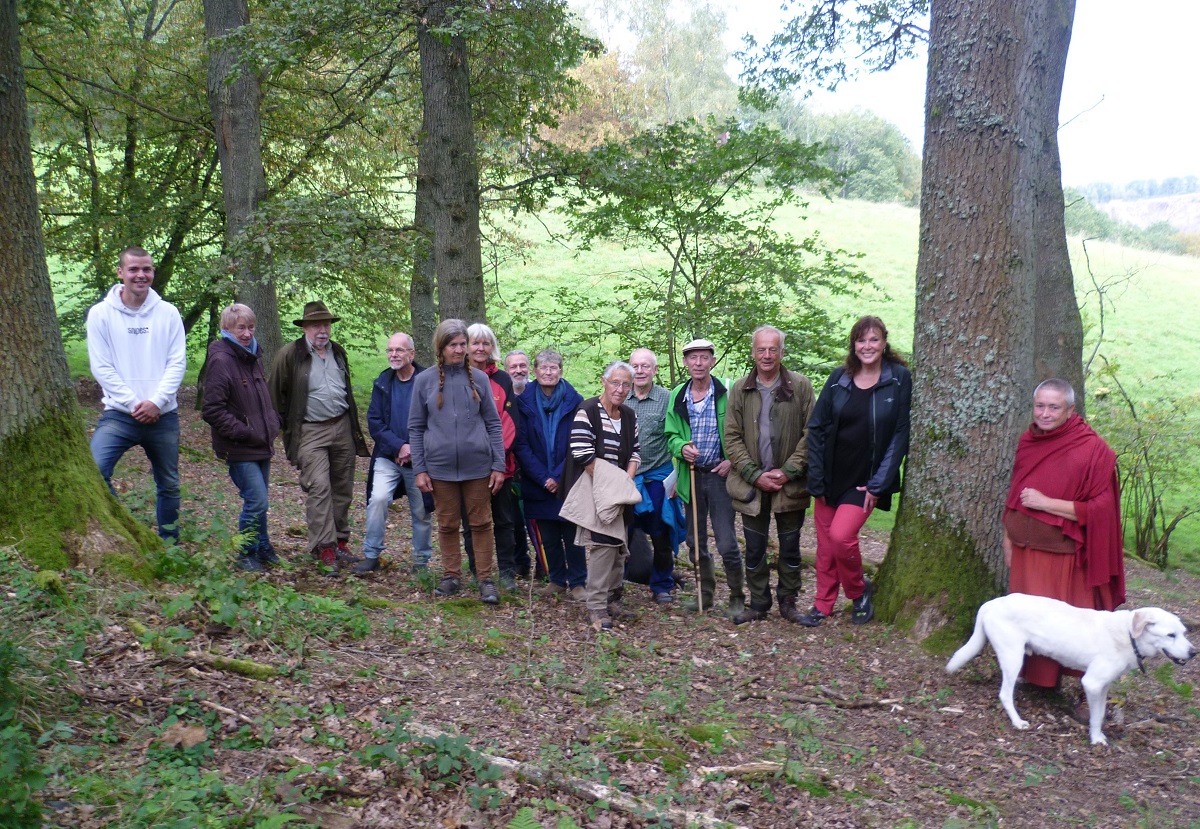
(548, 407)
(253, 349)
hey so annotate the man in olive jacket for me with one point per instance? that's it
(766, 431)
(310, 387)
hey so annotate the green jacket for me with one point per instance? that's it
(289, 394)
(790, 412)
(678, 429)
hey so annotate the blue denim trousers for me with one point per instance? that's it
(386, 474)
(117, 432)
(251, 477)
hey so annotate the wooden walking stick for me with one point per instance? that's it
(696, 539)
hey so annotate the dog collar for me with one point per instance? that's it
(1140, 658)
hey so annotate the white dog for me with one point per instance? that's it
(1100, 643)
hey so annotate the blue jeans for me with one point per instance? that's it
(554, 541)
(250, 477)
(386, 475)
(117, 432)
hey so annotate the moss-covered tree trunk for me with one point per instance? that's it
(985, 170)
(55, 509)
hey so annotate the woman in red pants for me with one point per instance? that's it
(857, 439)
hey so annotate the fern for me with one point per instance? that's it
(524, 819)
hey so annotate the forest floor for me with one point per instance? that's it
(387, 707)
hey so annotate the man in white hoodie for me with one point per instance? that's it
(137, 351)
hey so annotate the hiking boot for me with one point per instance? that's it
(327, 555)
(863, 609)
(367, 565)
(600, 620)
(268, 556)
(248, 562)
(811, 619)
(749, 615)
(663, 599)
(507, 582)
(550, 589)
(791, 613)
(344, 555)
(576, 594)
(488, 594)
(448, 586)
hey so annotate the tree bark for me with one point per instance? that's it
(1058, 328)
(986, 177)
(447, 165)
(422, 306)
(56, 505)
(234, 99)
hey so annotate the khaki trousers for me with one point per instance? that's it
(326, 459)
(605, 574)
(477, 496)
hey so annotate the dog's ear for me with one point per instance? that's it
(1140, 620)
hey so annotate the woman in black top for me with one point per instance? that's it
(857, 439)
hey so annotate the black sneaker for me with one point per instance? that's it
(268, 556)
(448, 586)
(863, 610)
(367, 565)
(249, 562)
(488, 594)
(810, 619)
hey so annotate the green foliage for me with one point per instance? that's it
(21, 774)
(701, 197)
(436, 762)
(255, 607)
(525, 818)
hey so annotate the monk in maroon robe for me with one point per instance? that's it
(1062, 522)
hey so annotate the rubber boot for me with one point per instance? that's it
(789, 575)
(758, 571)
(735, 578)
(708, 586)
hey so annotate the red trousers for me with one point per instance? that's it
(839, 561)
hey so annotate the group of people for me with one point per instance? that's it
(511, 457)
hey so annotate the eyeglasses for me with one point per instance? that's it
(619, 386)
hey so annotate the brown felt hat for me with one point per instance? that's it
(315, 312)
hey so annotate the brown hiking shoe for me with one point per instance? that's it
(344, 555)
(327, 555)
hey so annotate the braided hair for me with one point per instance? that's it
(446, 332)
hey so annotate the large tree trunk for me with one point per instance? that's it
(422, 307)
(446, 164)
(977, 281)
(1058, 328)
(56, 507)
(238, 129)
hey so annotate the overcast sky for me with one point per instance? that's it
(1131, 88)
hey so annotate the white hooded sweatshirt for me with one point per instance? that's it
(136, 354)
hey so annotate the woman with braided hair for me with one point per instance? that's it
(458, 455)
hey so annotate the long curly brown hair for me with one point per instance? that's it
(869, 323)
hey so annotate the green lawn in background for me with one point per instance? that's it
(1146, 325)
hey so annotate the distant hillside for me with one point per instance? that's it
(1180, 212)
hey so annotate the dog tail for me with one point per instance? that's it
(970, 650)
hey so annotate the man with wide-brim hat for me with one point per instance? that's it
(311, 389)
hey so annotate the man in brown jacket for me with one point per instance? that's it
(766, 429)
(310, 387)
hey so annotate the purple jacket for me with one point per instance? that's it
(237, 404)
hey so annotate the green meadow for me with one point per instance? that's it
(1148, 300)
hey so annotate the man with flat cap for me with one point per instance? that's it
(695, 430)
(310, 387)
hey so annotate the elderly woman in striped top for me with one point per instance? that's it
(604, 429)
